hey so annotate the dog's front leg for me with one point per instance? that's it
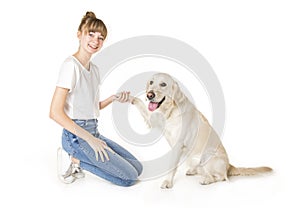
(177, 152)
(138, 103)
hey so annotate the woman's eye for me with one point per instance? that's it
(101, 38)
(163, 84)
(91, 33)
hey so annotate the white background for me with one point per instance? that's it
(254, 49)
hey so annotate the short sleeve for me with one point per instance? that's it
(67, 75)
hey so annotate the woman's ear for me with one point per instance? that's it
(79, 35)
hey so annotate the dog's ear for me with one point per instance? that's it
(177, 94)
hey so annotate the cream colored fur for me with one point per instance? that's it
(189, 134)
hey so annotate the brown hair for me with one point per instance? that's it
(90, 23)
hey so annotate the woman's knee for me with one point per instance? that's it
(139, 167)
(128, 183)
(129, 176)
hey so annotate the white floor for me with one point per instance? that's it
(45, 193)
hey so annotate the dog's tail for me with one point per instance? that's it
(244, 171)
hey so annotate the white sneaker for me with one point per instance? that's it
(74, 172)
(77, 171)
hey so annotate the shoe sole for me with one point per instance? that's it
(78, 176)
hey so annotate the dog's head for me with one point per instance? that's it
(162, 91)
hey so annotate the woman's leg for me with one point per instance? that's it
(117, 170)
(105, 175)
(123, 153)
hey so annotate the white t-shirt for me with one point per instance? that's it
(83, 98)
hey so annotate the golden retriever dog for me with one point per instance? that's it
(188, 132)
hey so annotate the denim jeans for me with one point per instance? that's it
(122, 168)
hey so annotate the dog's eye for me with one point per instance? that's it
(163, 84)
(151, 82)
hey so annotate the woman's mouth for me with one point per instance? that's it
(93, 46)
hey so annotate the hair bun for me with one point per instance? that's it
(90, 14)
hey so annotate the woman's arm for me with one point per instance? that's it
(58, 114)
(121, 97)
(106, 102)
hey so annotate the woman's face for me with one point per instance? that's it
(90, 42)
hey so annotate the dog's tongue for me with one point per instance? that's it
(152, 106)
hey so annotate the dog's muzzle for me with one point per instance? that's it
(153, 105)
(150, 95)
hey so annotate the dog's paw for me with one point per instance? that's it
(166, 185)
(191, 172)
(205, 180)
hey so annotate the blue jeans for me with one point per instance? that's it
(122, 168)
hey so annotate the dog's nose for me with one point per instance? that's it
(150, 95)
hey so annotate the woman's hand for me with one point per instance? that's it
(99, 147)
(122, 97)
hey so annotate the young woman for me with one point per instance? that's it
(75, 106)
